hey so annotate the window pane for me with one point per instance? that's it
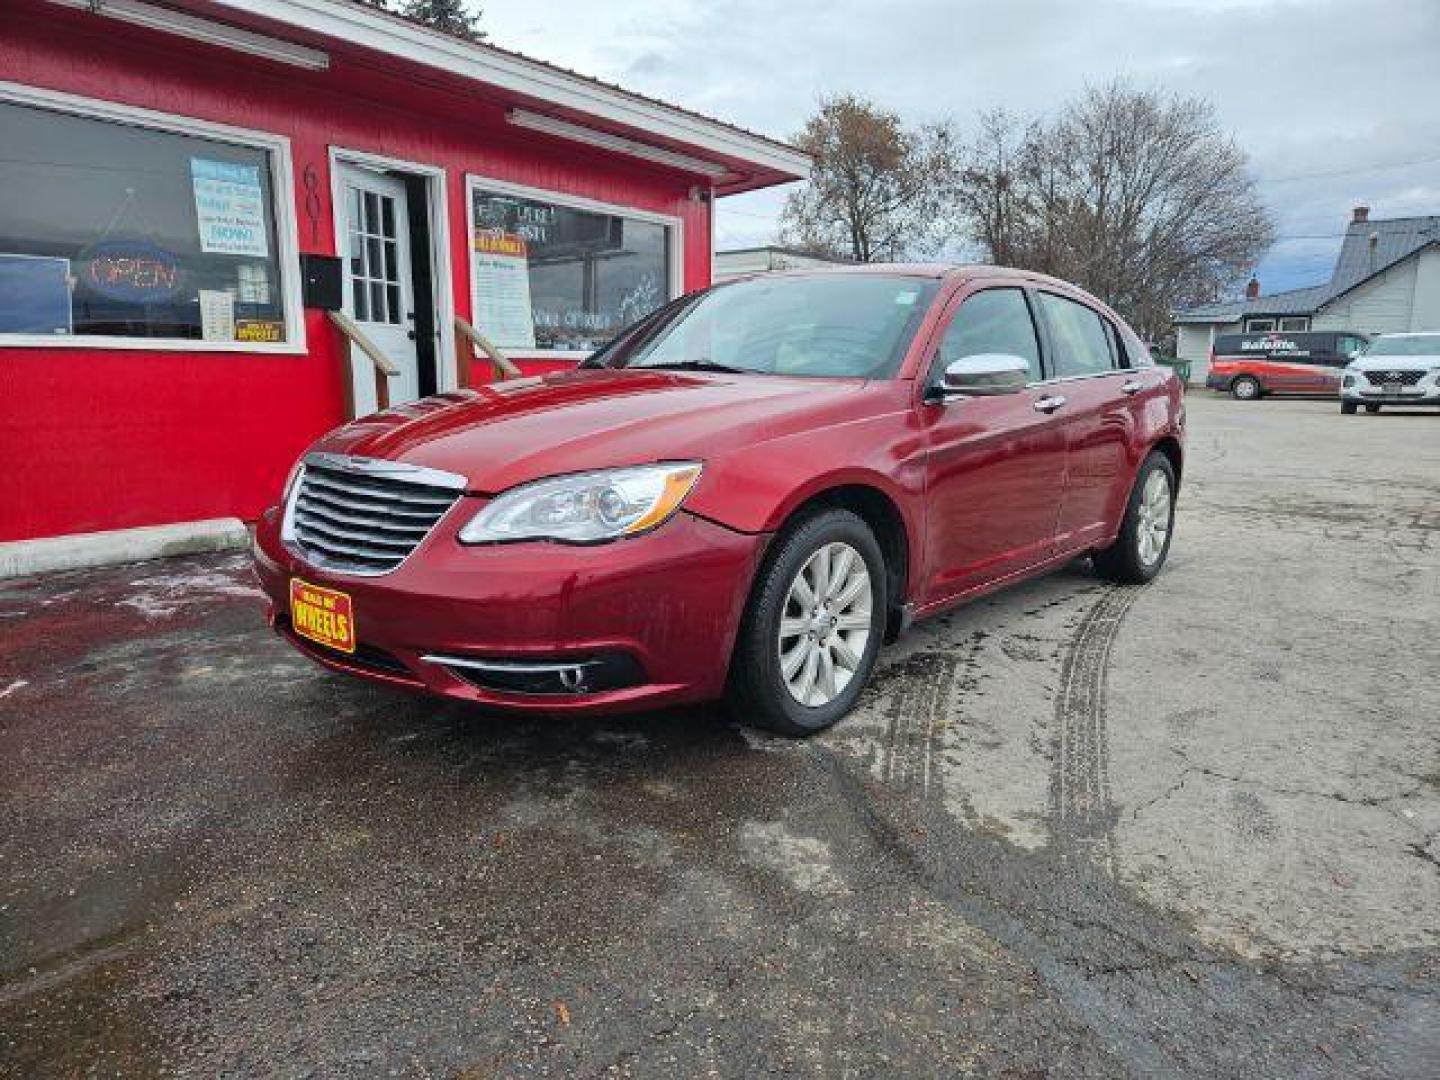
(108, 228)
(374, 267)
(993, 321)
(371, 223)
(553, 277)
(392, 298)
(391, 273)
(387, 223)
(360, 300)
(353, 198)
(1079, 344)
(377, 303)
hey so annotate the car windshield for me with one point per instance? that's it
(1404, 346)
(852, 325)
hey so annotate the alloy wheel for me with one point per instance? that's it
(1154, 524)
(826, 624)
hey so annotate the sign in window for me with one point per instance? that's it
(550, 277)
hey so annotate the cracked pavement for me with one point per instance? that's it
(1074, 830)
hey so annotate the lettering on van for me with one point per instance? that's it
(1269, 345)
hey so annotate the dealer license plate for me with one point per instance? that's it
(325, 616)
(1392, 388)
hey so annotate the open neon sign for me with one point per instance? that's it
(131, 271)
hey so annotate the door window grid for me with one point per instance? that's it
(374, 257)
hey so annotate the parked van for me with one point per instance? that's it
(1277, 362)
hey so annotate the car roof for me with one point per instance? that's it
(1412, 334)
(930, 270)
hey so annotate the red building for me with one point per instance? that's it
(186, 188)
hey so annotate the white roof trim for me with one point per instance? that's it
(374, 30)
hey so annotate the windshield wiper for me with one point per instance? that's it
(695, 365)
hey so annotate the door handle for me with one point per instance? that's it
(1049, 403)
(1134, 386)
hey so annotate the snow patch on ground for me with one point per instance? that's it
(161, 597)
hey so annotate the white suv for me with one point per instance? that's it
(1395, 369)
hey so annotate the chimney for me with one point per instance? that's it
(1362, 214)
(1252, 290)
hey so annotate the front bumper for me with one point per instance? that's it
(1426, 394)
(667, 603)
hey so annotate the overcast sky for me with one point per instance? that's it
(1337, 102)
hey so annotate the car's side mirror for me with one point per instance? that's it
(984, 375)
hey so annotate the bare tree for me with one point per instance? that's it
(878, 189)
(1134, 194)
(991, 199)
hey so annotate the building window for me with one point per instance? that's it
(1294, 325)
(553, 275)
(116, 231)
(1259, 326)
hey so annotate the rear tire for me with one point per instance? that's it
(1140, 550)
(1245, 388)
(1372, 408)
(817, 609)
(1347, 408)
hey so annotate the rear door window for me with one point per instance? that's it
(1079, 340)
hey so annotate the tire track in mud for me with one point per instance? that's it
(917, 697)
(1081, 811)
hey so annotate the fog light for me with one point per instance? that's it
(567, 676)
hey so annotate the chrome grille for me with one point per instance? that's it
(1401, 378)
(364, 515)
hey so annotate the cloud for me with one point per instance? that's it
(1305, 86)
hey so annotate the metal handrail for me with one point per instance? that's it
(502, 364)
(384, 366)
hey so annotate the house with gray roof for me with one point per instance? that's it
(1386, 280)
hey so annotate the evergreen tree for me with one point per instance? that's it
(451, 16)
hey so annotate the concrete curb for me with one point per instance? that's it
(20, 558)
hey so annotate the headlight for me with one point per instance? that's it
(585, 508)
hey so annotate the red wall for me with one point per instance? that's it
(108, 438)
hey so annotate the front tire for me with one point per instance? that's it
(1245, 389)
(813, 627)
(1347, 408)
(1140, 550)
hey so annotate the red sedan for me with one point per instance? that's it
(741, 496)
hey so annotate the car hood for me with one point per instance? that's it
(508, 433)
(1396, 363)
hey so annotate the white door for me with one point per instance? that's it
(375, 250)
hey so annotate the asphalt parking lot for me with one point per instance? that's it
(1075, 829)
